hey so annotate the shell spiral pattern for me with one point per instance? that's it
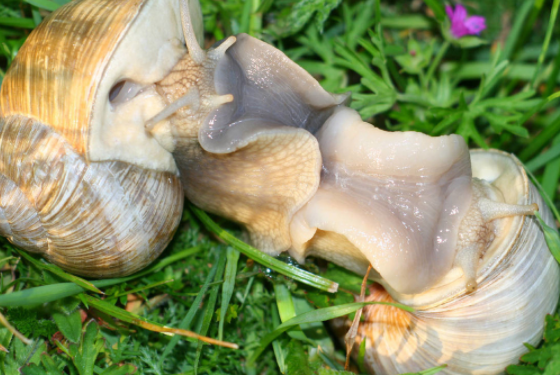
(93, 219)
(96, 216)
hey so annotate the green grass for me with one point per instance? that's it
(405, 73)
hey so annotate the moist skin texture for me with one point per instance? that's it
(400, 211)
(241, 159)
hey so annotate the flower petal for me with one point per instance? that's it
(460, 14)
(475, 24)
(449, 11)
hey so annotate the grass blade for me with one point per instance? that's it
(544, 158)
(54, 292)
(286, 309)
(24, 23)
(141, 288)
(544, 196)
(210, 308)
(551, 175)
(551, 236)
(59, 272)
(517, 28)
(266, 260)
(437, 8)
(131, 318)
(44, 4)
(319, 315)
(228, 287)
(186, 322)
(541, 140)
(553, 14)
(277, 346)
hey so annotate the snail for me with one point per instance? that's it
(476, 317)
(79, 183)
(111, 113)
(447, 232)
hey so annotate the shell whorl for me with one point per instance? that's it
(94, 219)
(91, 216)
(480, 332)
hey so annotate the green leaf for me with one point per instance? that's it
(542, 139)
(550, 29)
(551, 236)
(70, 325)
(278, 345)
(437, 7)
(362, 355)
(24, 23)
(551, 329)
(33, 369)
(522, 370)
(297, 362)
(304, 10)
(228, 287)
(417, 57)
(44, 4)
(85, 354)
(26, 322)
(519, 23)
(553, 367)
(551, 175)
(408, 21)
(127, 369)
(543, 159)
(48, 367)
(286, 308)
(470, 42)
(21, 355)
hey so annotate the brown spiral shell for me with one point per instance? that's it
(93, 218)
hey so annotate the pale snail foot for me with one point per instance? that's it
(477, 232)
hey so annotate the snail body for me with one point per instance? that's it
(477, 332)
(245, 133)
(444, 234)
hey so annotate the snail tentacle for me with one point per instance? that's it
(492, 210)
(191, 99)
(477, 231)
(197, 54)
(219, 52)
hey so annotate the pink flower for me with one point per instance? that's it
(462, 25)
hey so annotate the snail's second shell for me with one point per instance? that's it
(482, 332)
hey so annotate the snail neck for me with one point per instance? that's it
(190, 92)
(477, 229)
